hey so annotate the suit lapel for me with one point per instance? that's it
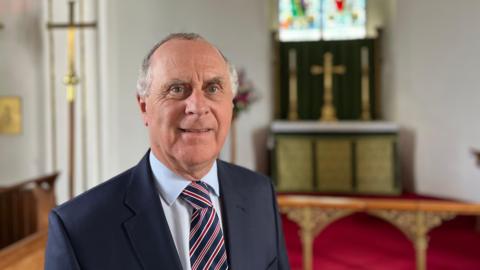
(148, 229)
(234, 214)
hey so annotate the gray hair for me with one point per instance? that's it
(144, 80)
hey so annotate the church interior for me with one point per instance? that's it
(362, 112)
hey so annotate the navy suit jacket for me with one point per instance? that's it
(120, 224)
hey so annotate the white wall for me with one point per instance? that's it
(377, 15)
(239, 28)
(21, 74)
(432, 64)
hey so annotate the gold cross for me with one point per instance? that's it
(328, 70)
(71, 78)
(71, 22)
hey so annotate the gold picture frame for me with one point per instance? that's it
(10, 115)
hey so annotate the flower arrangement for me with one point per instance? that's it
(245, 94)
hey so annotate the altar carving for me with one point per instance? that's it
(414, 217)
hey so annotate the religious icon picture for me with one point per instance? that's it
(10, 115)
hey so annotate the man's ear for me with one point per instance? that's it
(142, 104)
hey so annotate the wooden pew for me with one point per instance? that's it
(26, 254)
(24, 209)
(414, 217)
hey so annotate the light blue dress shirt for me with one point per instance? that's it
(177, 211)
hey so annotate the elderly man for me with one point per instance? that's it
(180, 207)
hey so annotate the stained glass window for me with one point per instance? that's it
(307, 20)
(299, 20)
(344, 19)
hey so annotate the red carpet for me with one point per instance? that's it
(364, 242)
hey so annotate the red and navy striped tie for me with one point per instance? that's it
(207, 247)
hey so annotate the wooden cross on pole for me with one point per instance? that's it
(328, 70)
(71, 80)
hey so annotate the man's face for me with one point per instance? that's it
(189, 108)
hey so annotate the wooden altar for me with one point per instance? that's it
(337, 157)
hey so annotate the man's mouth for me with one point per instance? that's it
(195, 130)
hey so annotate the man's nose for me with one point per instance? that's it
(197, 103)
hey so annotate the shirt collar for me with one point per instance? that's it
(171, 185)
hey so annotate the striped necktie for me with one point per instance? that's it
(207, 247)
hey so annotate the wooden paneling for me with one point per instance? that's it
(334, 165)
(337, 163)
(17, 216)
(295, 173)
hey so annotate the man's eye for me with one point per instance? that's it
(212, 89)
(177, 89)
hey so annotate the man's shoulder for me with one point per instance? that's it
(99, 200)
